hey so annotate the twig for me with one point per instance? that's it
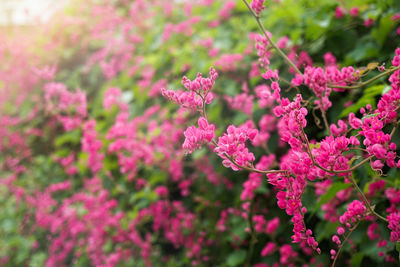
(344, 241)
(365, 200)
(281, 53)
(389, 71)
(324, 116)
(325, 169)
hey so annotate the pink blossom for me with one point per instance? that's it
(339, 13)
(394, 225)
(355, 211)
(233, 144)
(196, 137)
(354, 12)
(257, 6)
(272, 225)
(268, 249)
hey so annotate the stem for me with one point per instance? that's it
(344, 241)
(365, 200)
(281, 53)
(389, 71)
(327, 170)
(393, 130)
(324, 117)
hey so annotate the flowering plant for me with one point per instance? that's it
(284, 154)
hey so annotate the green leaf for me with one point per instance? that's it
(386, 24)
(372, 65)
(38, 259)
(333, 189)
(236, 258)
(71, 137)
(368, 98)
(356, 260)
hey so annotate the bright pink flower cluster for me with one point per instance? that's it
(113, 97)
(261, 46)
(394, 225)
(257, 6)
(232, 144)
(355, 212)
(242, 102)
(198, 91)
(46, 73)
(196, 137)
(378, 143)
(268, 249)
(186, 99)
(292, 122)
(92, 146)
(228, 62)
(60, 101)
(86, 219)
(264, 95)
(250, 186)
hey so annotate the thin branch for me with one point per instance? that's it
(281, 53)
(389, 71)
(325, 169)
(324, 116)
(365, 200)
(344, 241)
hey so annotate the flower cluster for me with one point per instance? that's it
(198, 91)
(196, 137)
(232, 144)
(355, 212)
(69, 107)
(257, 6)
(394, 225)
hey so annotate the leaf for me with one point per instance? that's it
(37, 260)
(361, 52)
(386, 89)
(356, 260)
(368, 98)
(331, 193)
(372, 65)
(236, 258)
(71, 137)
(386, 24)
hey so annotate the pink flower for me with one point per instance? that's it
(354, 12)
(257, 6)
(161, 191)
(394, 225)
(268, 249)
(297, 80)
(340, 230)
(196, 137)
(111, 97)
(232, 143)
(339, 13)
(355, 211)
(368, 22)
(272, 225)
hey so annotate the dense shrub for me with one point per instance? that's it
(283, 152)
